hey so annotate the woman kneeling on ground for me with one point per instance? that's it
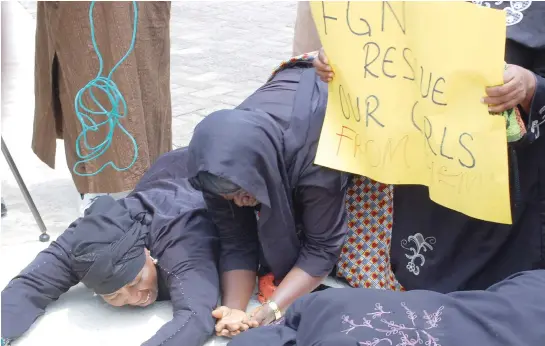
(275, 210)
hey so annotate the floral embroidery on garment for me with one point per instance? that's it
(409, 335)
(421, 245)
(513, 12)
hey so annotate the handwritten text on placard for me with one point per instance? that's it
(404, 106)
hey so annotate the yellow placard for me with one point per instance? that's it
(404, 106)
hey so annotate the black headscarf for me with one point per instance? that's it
(108, 246)
(267, 147)
(205, 181)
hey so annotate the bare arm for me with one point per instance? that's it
(296, 284)
(324, 220)
(238, 250)
(238, 287)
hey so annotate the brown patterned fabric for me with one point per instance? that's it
(66, 62)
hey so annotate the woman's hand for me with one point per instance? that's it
(230, 321)
(518, 88)
(261, 316)
(321, 64)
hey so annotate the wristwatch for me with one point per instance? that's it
(275, 309)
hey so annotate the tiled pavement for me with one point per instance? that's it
(221, 52)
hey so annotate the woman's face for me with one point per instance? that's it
(241, 198)
(142, 291)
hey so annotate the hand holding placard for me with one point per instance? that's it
(404, 106)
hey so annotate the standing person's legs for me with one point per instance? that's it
(306, 37)
(145, 90)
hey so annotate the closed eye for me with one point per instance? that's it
(110, 296)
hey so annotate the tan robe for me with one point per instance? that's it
(66, 62)
(306, 37)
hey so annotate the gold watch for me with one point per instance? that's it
(275, 309)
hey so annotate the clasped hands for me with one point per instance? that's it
(231, 322)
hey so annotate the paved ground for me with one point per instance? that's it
(221, 51)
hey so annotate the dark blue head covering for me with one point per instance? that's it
(108, 247)
(267, 146)
(206, 181)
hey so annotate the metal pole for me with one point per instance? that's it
(44, 237)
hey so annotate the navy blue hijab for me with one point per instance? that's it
(269, 154)
(108, 246)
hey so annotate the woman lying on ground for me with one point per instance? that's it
(508, 313)
(462, 253)
(155, 244)
(272, 206)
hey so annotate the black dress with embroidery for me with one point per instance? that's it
(436, 248)
(504, 314)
